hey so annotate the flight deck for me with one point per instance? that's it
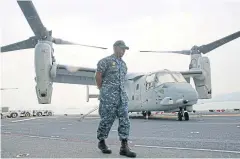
(211, 136)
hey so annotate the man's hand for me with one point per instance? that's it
(98, 78)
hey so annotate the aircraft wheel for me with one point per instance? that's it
(27, 115)
(144, 113)
(149, 113)
(39, 114)
(186, 116)
(179, 116)
(14, 115)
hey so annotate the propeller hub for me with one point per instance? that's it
(195, 50)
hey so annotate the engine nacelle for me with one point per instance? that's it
(53, 71)
(43, 65)
(203, 82)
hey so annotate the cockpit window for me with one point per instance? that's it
(159, 78)
(164, 77)
(150, 81)
(150, 78)
(179, 77)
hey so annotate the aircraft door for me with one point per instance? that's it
(137, 96)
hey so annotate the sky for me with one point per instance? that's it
(143, 25)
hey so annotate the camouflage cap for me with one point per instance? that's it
(121, 44)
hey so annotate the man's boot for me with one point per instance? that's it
(103, 147)
(125, 150)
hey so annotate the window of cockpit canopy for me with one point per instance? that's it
(150, 80)
(137, 87)
(164, 77)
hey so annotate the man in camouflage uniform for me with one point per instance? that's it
(110, 77)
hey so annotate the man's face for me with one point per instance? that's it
(120, 51)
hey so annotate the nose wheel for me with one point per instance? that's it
(186, 116)
(182, 114)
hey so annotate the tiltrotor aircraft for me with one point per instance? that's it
(164, 90)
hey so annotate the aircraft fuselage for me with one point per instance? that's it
(160, 91)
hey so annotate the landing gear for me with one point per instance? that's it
(180, 116)
(183, 113)
(186, 116)
(146, 114)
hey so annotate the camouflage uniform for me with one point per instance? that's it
(113, 98)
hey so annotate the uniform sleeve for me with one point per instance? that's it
(102, 66)
(126, 67)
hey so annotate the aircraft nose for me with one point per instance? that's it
(183, 92)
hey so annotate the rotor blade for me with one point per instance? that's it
(211, 46)
(32, 17)
(7, 88)
(25, 44)
(63, 42)
(185, 52)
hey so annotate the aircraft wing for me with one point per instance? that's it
(134, 76)
(75, 75)
(82, 75)
(191, 73)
